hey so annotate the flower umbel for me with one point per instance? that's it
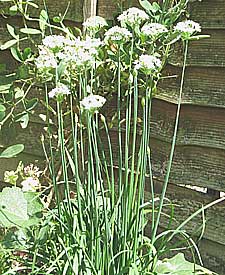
(132, 16)
(148, 63)
(153, 29)
(30, 184)
(95, 23)
(187, 27)
(59, 91)
(118, 35)
(54, 42)
(92, 102)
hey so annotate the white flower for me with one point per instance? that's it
(92, 102)
(187, 27)
(54, 42)
(132, 16)
(59, 91)
(95, 22)
(46, 59)
(148, 63)
(153, 29)
(117, 34)
(32, 171)
(30, 184)
(83, 52)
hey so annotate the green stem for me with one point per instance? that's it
(172, 147)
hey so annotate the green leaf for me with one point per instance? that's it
(34, 204)
(16, 54)
(30, 104)
(11, 30)
(19, 93)
(13, 207)
(57, 19)
(146, 5)
(12, 151)
(8, 44)
(23, 119)
(43, 20)
(5, 88)
(179, 266)
(30, 31)
(2, 108)
(15, 239)
(13, 9)
(26, 53)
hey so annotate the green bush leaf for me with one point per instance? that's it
(13, 207)
(30, 31)
(34, 204)
(146, 5)
(11, 30)
(16, 54)
(8, 44)
(43, 20)
(12, 151)
(2, 108)
(179, 266)
(5, 88)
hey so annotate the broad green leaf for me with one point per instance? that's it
(13, 9)
(34, 204)
(2, 112)
(8, 44)
(43, 19)
(179, 266)
(23, 120)
(2, 108)
(146, 5)
(16, 54)
(5, 88)
(12, 151)
(30, 104)
(19, 93)
(11, 30)
(26, 53)
(30, 31)
(13, 207)
(15, 239)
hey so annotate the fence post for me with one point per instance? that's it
(89, 8)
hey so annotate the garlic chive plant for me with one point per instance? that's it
(99, 168)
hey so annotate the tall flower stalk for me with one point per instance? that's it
(101, 215)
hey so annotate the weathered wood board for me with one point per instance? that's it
(73, 10)
(200, 86)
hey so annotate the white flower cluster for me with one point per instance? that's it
(31, 171)
(59, 91)
(92, 102)
(188, 27)
(95, 23)
(30, 184)
(46, 59)
(132, 16)
(118, 34)
(55, 42)
(153, 29)
(148, 63)
(83, 52)
(75, 51)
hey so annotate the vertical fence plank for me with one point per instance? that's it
(89, 8)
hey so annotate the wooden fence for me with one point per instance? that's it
(200, 153)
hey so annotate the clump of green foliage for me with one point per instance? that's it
(97, 223)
